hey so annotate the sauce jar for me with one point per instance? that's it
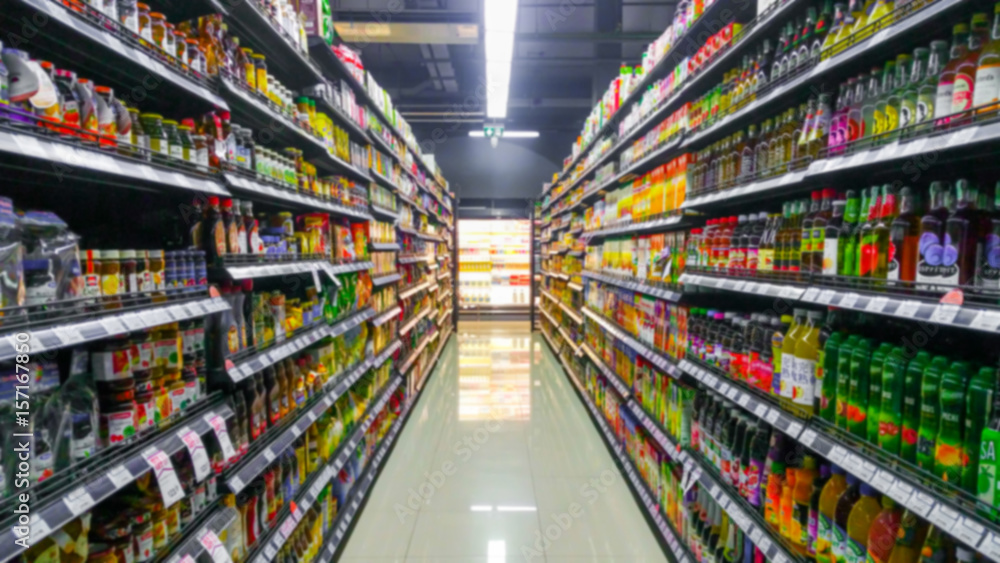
(153, 125)
(156, 269)
(169, 44)
(179, 50)
(128, 15)
(141, 271)
(128, 271)
(142, 535)
(158, 29)
(137, 136)
(200, 143)
(101, 553)
(111, 278)
(187, 143)
(194, 56)
(145, 23)
(175, 148)
(260, 65)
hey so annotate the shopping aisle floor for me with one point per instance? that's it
(498, 453)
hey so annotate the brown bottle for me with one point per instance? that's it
(290, 377)
(283, 389)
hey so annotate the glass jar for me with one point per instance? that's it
(187, 143)
(111, 277)
(156, 269)
(130, 282)
(145, 22)
(153, 125)
(141, 270)
(200, 143)
(158, 29)
(248, 147)
(193, 56)
(168, 38)
(128, 15)
(179, 50)
(260, 65)
(176, 149)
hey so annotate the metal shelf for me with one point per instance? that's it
(664, 363)
(635, 284)
(238, 184)
(623, 390)
(386, 279)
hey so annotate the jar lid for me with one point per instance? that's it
(191, 42)
(142, 6)
(155, 254)
(157, 16)
(128, 254)
(183, 128)
(109, 254)
(170, 122)
(151, 116)
(258, 56)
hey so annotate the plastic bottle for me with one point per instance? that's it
(883, 532)
(786, 367)
(938, 547)
(857, 403)
(778, 338)
(891, 408)
(909, 539)
(801, 499)
(806, 355)
(841, 515)
(911, 405)
(867, 257)
(828, 497)
(949, 457)
(859, 522)
(755, 469)
(875, 391)
(786, 506)
(844, 355)
(775, 472)
(814, 499)
(930, 384)
(978, 412)
(830, 339)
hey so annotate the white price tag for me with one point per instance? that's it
(119, 476)
(945, 313)
(760, 410)
(133, 321)
(166, 476)
(810, 294)
(969, 531)
(825, 296)
(986, 320)
(39, 528)
(921, 503)
(849, 300)
(793, 429)
(30, 146)
(743, 400)
(215, 548)
(876, 304)
(908, 309)
(991, 546)
(901, 493)
(963, 136)
(943, 518)
(218, 425)
(78, 501)
(112, 325)
(68, 335)
(883, 481)
(196, 449)
(772, 416)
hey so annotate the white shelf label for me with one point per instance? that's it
(166, 476)
(218, 425)
(849, 300)
(908, 309)
(883, 481)
(876, 304)
(986, 320)
(119, 476)
(945, 313)
(196, 449)
(825, 296)
(78, 501)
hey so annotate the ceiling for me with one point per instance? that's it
(566, 52)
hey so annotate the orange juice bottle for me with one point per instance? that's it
(827, 508)
(859, 523)
(785, 510)
(801, 496)
(883, 533)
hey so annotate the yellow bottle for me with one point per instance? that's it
(787, 502)
(804, 384)
(789, 364)
(860, 521)
(801, 495)
(836, 485)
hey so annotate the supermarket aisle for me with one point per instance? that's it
(500, 452)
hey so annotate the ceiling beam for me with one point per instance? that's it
(588, 37)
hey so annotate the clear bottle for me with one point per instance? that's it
(867, 124)
(908, 103)
(988, 68)
(946, 78)
(964, 87)
(881, 232)
(928, 89)
(958, 256)
(894, 102)
(885, 90)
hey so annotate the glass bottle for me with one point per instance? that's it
(946, 78)
(927, 90)
(820, 127)
(868, 125)
(908, 101)
(964, 87)
(817, 241)
(894, 101)
(885, 89)
(988, 68)
(805, 43)
(881, 232)
(930, 242)
(958, 258)
(847, 238)
(823, 27)
(831, 239)
(903, 236)
(866, 247)
(805, 234)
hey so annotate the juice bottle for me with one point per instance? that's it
(988, 254)
(214, 231)
(859, 522)
(857, 402)
(831, 247)
(825, 537)
(891, 408)
(826, 366)
(778, 338)
(911, 93)
(965, 72)
(883, 532)
(820, 222)
(929, 244)
(903, 236)
(841, 516)
(927, 90)
(930, 383)
(786, 366)
(884, 91)
(805, 389)
(938, 547)
(881, 232)
(911, 405)
(894, 98)
(988, 68)
(946, 78)
(875, 390)
(847, 237)
(958, 259)
(949, 457)
(805, 238)
(801, 498)
(978, 412)
(758, 460)
(819, 483)
(909, 539)
(774, 470)
(844, 355)
(866, 236)
(787, 504)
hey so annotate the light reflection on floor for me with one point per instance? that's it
(494, 376)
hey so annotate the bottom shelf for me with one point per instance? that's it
(658, 522)
(348, 516)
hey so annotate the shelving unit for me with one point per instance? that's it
(275, 311)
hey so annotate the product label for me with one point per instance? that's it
(961, 94)
(988, 262)
(824, 539)
(891, 122)
(857, 552)
(802, 391)
(839, 544)
(987, 482)
(116, 427)
(942, 102)
(987, 85)
(177, 151)
(111, 284)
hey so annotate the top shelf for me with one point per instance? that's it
(284, 59)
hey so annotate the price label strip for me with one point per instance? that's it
(166, 476)
(196, 449)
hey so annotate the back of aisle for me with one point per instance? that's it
(190, 375)
(783, 240)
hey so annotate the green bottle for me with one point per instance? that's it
(949, 457)
(927, 91)
(890, 418)
(927, 434)
(844, 378)
(866, 234)
(868, 125)
(857, 402)
(911, 405)
(894, 98)
(875, 390)
(829, 356)
(847, 238)
(978, 412)
(884, 91)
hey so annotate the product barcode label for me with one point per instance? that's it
(166, 476)
(945, 313)
(908, 309)
(119, 476)
(196, 449)
(78, 501)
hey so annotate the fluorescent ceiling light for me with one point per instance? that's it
(481, 508)
(508, 134)
(500, 17)
(516, 509)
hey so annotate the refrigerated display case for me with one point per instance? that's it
(494, 267)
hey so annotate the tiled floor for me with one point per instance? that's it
(499, 454)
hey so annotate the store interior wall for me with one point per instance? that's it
(513, 170)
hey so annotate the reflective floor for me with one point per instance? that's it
(500, 463)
